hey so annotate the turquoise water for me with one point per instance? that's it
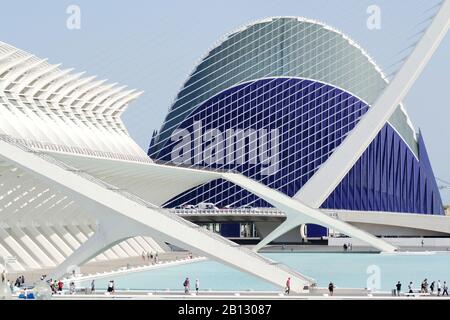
(357, 270)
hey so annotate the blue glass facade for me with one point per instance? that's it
(235, 129)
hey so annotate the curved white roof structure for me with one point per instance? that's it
(60, 111)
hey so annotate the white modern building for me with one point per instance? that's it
(75, 187)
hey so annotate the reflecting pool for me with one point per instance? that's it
(356, 270)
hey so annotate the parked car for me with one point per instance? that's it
(207, 206)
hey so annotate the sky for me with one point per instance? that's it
(154, 45)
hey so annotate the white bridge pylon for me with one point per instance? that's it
(328, 176)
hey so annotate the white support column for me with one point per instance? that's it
(34, 249)
(20, 252)
(56, 240)
(94, 246)
(89, 232)
(46, 244)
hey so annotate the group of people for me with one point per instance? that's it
(441, 289)
(56, 286)
(150, 256)
(187, 285)
(20, 281)
(287, 289)
(347, 246)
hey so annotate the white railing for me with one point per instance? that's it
(45, 146)
(232, 211)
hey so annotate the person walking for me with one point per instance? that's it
(3, 276)
(11, 286)
(60, 285)
(55, 285)
(92, 286)
(439, 287)
(110, 287)
(445, 289)
(288, 286)
(432, 287)
(72, 287)
(410, 287)
(197, 285)
(398, 287)
(331, 288)
(186, 285)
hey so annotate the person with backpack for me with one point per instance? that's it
(432, 288)
(186, 285)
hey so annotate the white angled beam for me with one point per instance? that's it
(35, 75)
(109, 104)
(46, 244)
(96, 91)
(44, 81)
(103, 96)
(13, 63)
(7, 55)
(17, 72)
(329, 175)
(119, 106)
(325, 180)
(57, 84)
(34, 249)
(304, 214)
(81, 90)
(74, 83)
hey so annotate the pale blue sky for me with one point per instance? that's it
(153, 45)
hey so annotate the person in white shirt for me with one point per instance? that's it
(197, 285)
(439, 287)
